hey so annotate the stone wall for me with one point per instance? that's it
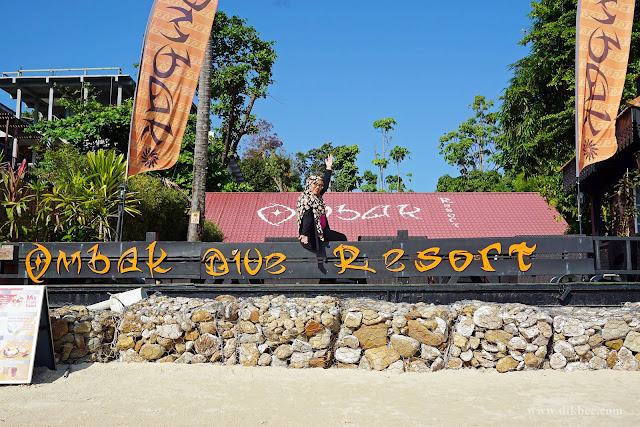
(327, 332)
(83, 335)
(596, 338)
(506, 337)
(398, 337)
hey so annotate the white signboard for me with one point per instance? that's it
(20, 312)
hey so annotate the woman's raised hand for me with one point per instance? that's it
(329, 161)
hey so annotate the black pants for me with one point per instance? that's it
(329, 236)
(334, 236)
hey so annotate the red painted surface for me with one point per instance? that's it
(250, 217)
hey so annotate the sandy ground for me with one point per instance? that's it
(174, 394)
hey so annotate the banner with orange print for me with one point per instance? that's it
(603, 37)
(175, 43)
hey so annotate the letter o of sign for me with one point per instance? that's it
(210, 259)
(40, 266)
(453, 258)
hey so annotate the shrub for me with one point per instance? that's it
(58, 165)
(14, 202)
(211, 232)
(85, 203)
(163, 209)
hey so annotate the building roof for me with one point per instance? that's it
(625, 136)
(35, 88)
(250, 217)
(14, 127)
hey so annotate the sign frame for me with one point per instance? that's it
(25, 333)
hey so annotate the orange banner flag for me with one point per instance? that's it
(176, 39)
(603, 37)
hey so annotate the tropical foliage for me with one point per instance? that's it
(369, 180)
(475, 181)
(531, 136)
(14, 200)
(84, 205)
(73, 197)
(90, 126)
(537, 113)
(396, 183)
(623, 212)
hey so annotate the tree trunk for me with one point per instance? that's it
(381, 171)
(196, 219)
(227, 139)
(243, 125)
(279, 183)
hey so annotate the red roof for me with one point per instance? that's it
(250, 217)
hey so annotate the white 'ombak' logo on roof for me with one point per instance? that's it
(277, 214)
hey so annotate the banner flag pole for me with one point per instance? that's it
(175, 41)
(123, 186)
(577, 114)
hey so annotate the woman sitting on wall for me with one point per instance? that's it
(313, 226)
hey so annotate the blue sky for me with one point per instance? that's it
(342, 63)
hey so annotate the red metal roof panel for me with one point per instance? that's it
(250, 217)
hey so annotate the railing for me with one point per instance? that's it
(617, 255)
(53, 71)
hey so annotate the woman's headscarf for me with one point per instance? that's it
(308, 200)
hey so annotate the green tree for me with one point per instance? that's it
(537, 113)
(217, 176)
(312, 162)
(384, 126)
(398, 154)
(56, 166)
(474, 145)
(242, 72)
(370, 182)
(475, 181)
(345, 172)
(265, 165)
(395, 183)
(255, 174)
(91, 126)
(279, 167)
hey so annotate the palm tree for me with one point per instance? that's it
(194, 233)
